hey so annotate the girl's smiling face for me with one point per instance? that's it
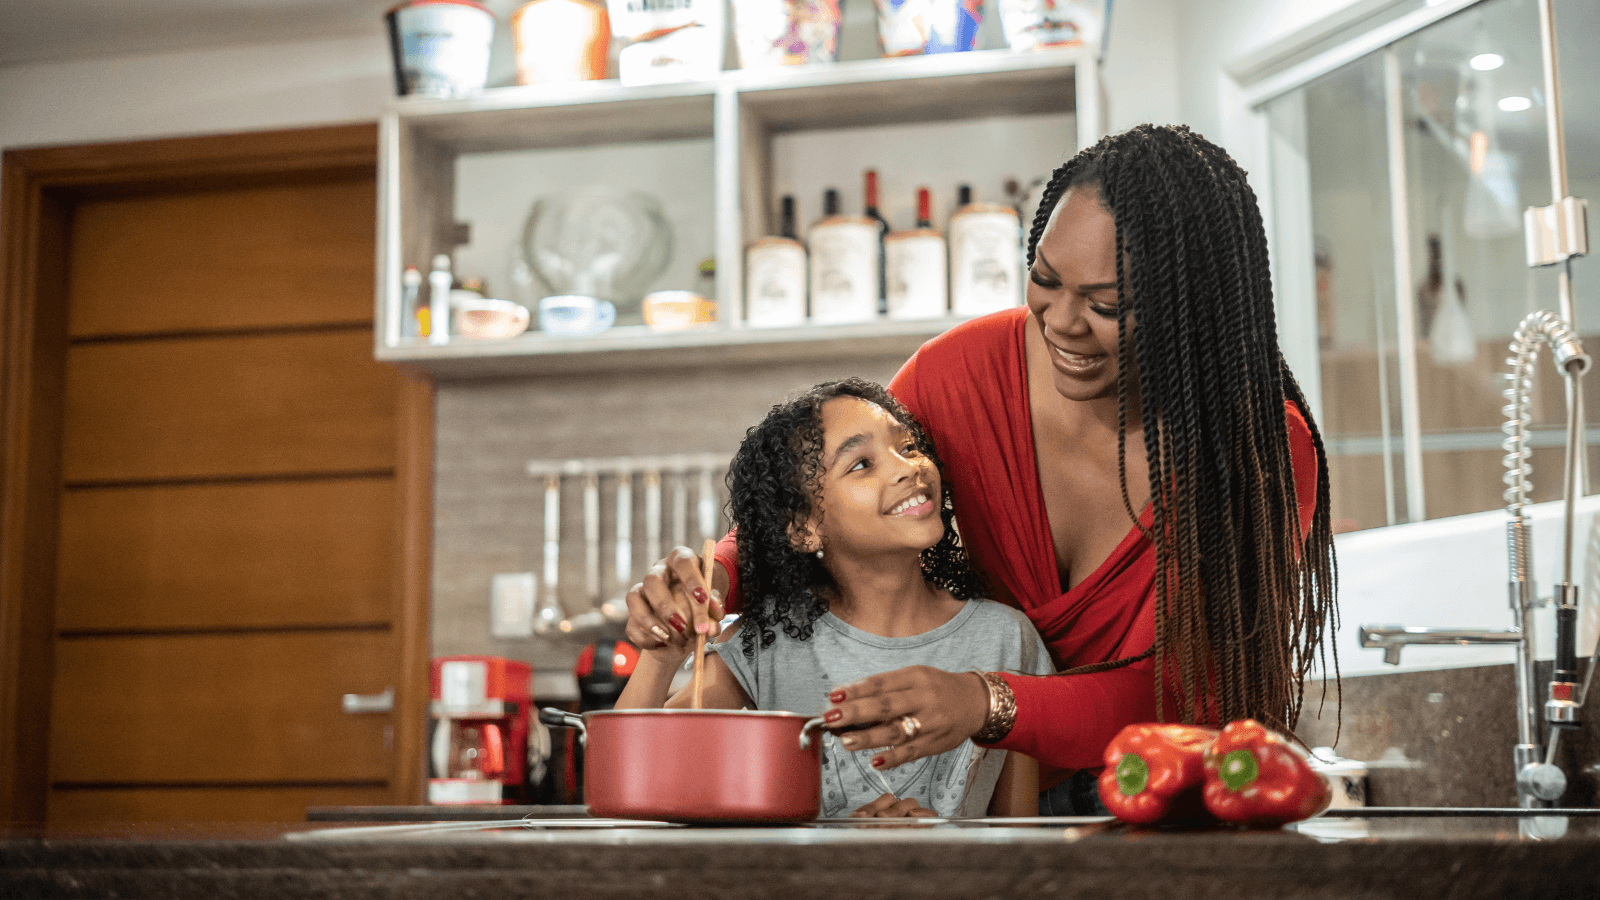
(880, 493)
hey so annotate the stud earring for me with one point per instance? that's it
(819, 553)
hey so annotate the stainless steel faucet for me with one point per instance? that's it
(1539, 780)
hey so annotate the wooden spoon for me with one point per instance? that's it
(699, 637)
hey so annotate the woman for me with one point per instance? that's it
(1147, 357)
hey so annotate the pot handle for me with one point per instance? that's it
(805, 732)
(560, 719)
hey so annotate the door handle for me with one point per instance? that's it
(370, 703)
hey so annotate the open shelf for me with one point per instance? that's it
(741, 112)
(640, 348)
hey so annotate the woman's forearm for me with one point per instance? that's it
(647, 687)
(1066, 721)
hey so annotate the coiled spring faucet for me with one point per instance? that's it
(1539, 781)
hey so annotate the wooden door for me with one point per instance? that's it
(239, 533)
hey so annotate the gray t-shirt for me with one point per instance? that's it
(796, 676)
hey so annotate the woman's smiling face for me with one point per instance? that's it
(1072, 293)
(880, 493)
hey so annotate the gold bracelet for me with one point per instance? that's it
(1002, 708)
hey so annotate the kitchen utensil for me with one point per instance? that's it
(706, 508)
(480, 707)
(624, 548)
(599, 242)
(547, 613)
(487, 319)
(676, 310)
(698, 680)
(575, 315)
(591, 537)
(699, 765)
(652, 514)
(440, 47)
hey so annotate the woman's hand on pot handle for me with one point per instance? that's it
(944, 709)
(665, 607)
(888, 806)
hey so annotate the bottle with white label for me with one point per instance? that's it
(915, 262)
(439, 283)
(985, 258)
(775, 277)
(844, 266)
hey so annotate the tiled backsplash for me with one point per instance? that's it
(488, 513)
(1441, 738)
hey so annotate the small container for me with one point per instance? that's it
(668, 40)
(560, 41)
(916, 268)
(574, 315)
(1047, 24)
(1347, 778)
(484, 319)
(786, 32)
(775, 289)
(844, 266)
(915, 27)
(677, 310)
(440, 47)
(985, 259)
(775, 276)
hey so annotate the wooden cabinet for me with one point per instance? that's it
(741, 114)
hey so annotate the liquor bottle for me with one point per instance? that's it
(883, 232)
(916, 267)
(985, 257)
(844, 266)
(775, 277)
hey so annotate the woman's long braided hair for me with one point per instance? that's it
(774, 484)
(1242, 603)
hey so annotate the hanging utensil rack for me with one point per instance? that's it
(672, 486)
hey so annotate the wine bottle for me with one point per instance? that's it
(916, 267)
(775, 276)
(844, 266)
(883, 232)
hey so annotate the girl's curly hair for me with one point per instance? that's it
(774, 483)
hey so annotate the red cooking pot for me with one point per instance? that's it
(698, 765)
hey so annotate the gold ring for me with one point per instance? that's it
(909, 726)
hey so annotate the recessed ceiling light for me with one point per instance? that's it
(1514, 104)
(1487, 62)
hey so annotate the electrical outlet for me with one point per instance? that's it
(511, 605)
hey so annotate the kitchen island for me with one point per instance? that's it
(1380, 856)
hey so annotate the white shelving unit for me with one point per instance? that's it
(740, 112)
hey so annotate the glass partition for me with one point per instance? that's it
(1399, 183)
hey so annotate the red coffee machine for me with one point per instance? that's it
(480, 730)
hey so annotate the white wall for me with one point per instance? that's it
(248, 88)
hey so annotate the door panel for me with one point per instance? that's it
(166, 710)
(228, 407)
(208, 260)
(227, 555)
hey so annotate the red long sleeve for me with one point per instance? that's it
(969, 389)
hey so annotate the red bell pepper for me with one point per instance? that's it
(1256, 777)
(1155, 772)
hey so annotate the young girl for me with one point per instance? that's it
(850, 565)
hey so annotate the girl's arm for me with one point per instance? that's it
(719, 689)
(648, 685)
(1017, 791)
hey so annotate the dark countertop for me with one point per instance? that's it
(1380, 856)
